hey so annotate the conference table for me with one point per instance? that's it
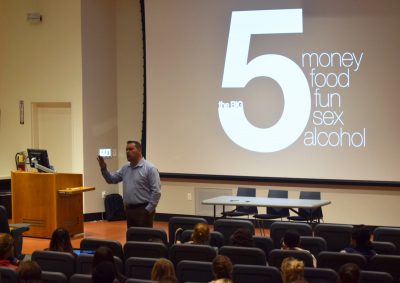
(290, 203)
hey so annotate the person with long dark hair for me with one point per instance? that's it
(61, 241)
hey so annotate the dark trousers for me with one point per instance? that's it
(138, 216)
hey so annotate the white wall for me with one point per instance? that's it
(99, 95)
(38, 63)
(89, 52)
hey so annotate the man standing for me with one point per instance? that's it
(141, 185)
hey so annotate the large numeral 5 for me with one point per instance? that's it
(238, 72)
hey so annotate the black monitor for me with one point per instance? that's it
(41, 157)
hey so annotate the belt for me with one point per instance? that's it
(131, 206)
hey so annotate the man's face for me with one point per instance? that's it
(132, 153)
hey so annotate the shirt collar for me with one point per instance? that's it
(139, 164)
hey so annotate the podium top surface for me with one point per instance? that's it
(75, 190)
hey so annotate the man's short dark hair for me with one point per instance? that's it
(362, 236)
(291, 239)
(137, 144)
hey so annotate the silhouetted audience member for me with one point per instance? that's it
(104, 272)
(361, 242)
(291, 241)
(292, 271)
(61, 241)
(162, 268)
(105, 254)
(222, 269)
(349, 273)
(29, 272)
(7, 250)
(242, 238)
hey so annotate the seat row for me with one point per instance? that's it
(336, 236)
(145, 253)
(325, 237)
(197, 271)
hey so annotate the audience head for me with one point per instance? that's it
(292, 270)
(103, 254)
(201, 234)
(162, 268)
(349, 273)
(6, 246)
(104, 272)
(222, 267)
(29, 272)
(242, 238)
(361, 237)
(291, 239)
(60, 241)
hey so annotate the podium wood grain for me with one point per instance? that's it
(35, 201)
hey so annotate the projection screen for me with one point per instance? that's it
(291, 90)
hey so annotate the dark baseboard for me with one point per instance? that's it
(87, 217)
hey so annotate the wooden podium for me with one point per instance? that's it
(47, 201)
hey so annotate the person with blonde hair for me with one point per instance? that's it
(292, 270)
(6, 250)
(162, 268)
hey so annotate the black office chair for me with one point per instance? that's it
(384, 248)
(228, 226)
(145, 249)
(84, 264)
(388, 234)
(93, 244)
(335, 260)
(276, 257)
(279, 228)
(320, 275)
(313, 215)
(53, 277)
(337, 236)
(55, 261)
(264, 243)
(244, 255)
(81, 278)
(8, 275)
(314, 245)
(194, 271)
(146, 234)
(243, 210)
(272, 212)
(368, 276)
(139, 267)
(386, 263)
(179, 252)
(15, 230)
(255, 274)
